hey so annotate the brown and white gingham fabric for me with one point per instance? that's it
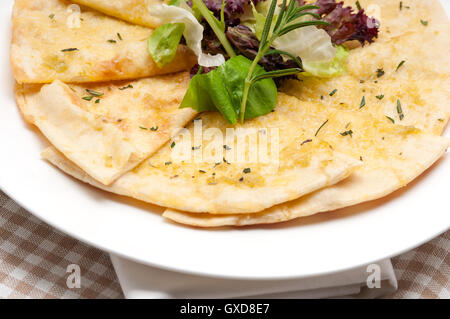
(34, 258)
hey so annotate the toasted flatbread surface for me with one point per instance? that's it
(133, 11)
(108, 129)
(227, 184)
(392, 156)
(376, 72)
(52, 42)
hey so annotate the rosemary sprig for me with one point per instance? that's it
(287, 21)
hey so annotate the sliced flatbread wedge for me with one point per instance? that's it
(108, 129)
(392, 156)
(376, 72)
(214, 178)
(52, 41)
(133, 11)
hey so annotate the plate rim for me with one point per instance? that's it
(22, 202)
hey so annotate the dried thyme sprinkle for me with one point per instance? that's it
(400, 65)
(112, 41)
(154, 129)
(173, 145)
(227, 148)
(119, 36)
(247, 171)
(424, 22)
(94, 93)
(400, 111)
(380, 97)
(305, 142)
(324, 123)
(333, 92)
(380, 72)
(346, 133)
(143, 128)
(390, 119)
(202, 171)
(70, 50)
(129, 86)
(363, 102)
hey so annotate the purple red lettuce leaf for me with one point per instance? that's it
(345, 24)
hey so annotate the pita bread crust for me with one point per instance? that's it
(392, 157)
(111, 137)
(38, 42)
(362, 186)
(204, 186)
(133, 11)
(422, 83)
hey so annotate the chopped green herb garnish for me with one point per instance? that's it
(154, 129)
(168, 163)
(358, 5)
(112, 41)
(400, 111)
(241, 179)
(94, 93)
(324, 123)
(400, 65)
(441, 120)
(51, 16)
(70, 50)
(424, 22)
(380, 97)
(350, 132)
(97, 101)
(119, 36)
(202, 171)
(247, 171)
(143, 128)
(380, 73)
(227, 148)
(363, 102)
(129, 86)
(401, 5)
(333, 92)
(173, 145)
(390, 119)
(88, 98)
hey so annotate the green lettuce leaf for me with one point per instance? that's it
(328, 69)
(163, 42)
(222, 89)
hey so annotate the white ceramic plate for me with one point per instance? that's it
(322, 244)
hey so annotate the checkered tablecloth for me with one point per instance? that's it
(34, 260)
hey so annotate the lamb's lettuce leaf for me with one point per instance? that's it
(163, 43)
(193, 31)
(222, 89)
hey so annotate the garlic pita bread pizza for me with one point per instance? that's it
(224, 183)
(53, 41)
(108, 129)
(392, 156)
